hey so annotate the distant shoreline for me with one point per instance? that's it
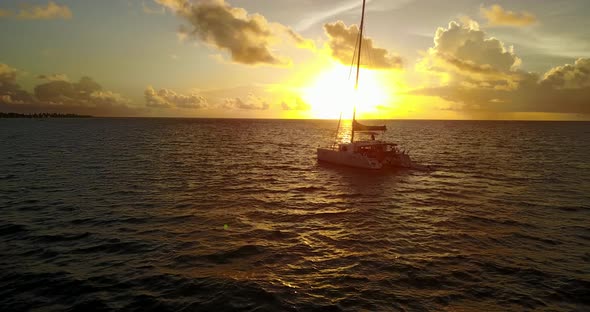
(61, 115)
(42, 115)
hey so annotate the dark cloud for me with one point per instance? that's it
(523, 99)
(497, 16)
(247, 37)
(54, 77)
(165, 98)
(64, 92)
(83, 97)
(342, 41)
(56, 92)
(10, 91)
(87, 85)
(547, 95)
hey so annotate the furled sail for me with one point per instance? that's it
(357, 126)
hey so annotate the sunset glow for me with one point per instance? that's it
(332, 92)
(280, 59)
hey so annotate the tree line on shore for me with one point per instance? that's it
(41, 115)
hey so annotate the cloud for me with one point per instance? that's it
(64, 92)
(7, 99)
(481, 74)
(342, 41)
(149, 10)
(468, 42)
(319, 16)
(108, 98)
(465, 53)
(529, 97)
(576, 76)
(246, 37)
(54, 77)
(174, 5)
(60, 96)
(297, 105)
(165, 98)
(340, 8)
(299, 40)
(7, 74)
(10, 91)
(251, 103)
(41, 12)
(5, 13)
(497, 16)
(85, 92)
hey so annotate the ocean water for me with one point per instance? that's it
(237, 215)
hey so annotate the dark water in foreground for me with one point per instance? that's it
(105, 214)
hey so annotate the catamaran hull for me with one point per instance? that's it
(361, 161)
(347, 159)
(400, 161)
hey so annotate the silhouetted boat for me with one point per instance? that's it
(371, 153)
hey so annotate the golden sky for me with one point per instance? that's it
(421, 59)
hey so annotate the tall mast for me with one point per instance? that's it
(358, 67)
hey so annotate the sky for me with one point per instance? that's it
(421, 59)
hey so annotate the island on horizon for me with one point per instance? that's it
(42, 115)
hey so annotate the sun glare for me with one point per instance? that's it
(332, 92)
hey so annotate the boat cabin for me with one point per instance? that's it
(367, 147)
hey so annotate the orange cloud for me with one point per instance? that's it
(497, 16)
(41, 12)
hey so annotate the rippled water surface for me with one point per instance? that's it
(236, 215)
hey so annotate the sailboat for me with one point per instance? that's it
(365, 153)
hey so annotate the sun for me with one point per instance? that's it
(332, 92)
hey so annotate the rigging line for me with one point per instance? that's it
(358, 65)
(369, 55)
(337, 128)
(356, 44)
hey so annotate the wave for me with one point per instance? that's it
(236, 215)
